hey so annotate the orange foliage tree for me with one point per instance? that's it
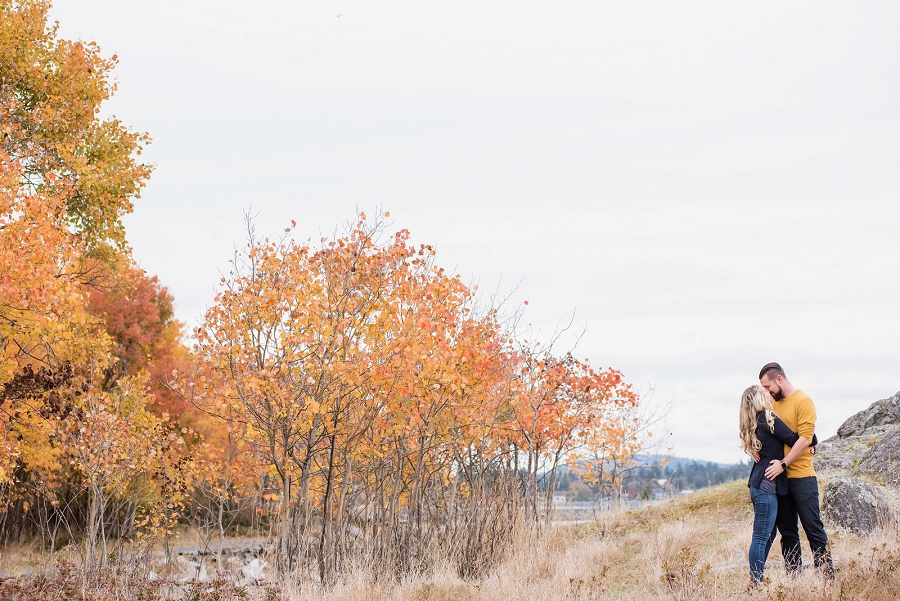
(67, 177)
(384, 408)
(564, 404)
(44, 324)
(627, 438)
(136, 311)
(51, 90)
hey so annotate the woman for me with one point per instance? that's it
(763, 437)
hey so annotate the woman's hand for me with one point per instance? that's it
(774, 469)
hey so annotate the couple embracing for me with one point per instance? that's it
(778, 424)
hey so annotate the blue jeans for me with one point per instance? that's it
(765, 509)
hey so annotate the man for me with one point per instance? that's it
(796, 409)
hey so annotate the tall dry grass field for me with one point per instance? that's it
(694, 547)
(691, 548)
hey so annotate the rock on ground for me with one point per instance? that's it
(856, 505)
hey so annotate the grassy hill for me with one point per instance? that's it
(693, 547)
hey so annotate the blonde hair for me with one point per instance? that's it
(753, 401)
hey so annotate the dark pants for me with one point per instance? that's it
(802, 501)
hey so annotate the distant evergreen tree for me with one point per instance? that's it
(655, 481)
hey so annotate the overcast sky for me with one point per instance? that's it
(707, 186)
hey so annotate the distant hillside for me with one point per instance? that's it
(691, 474)
(660, 477)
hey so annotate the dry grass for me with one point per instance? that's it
(17, 556)
(690, 548)
(694, 547)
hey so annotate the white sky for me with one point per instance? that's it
(709, 186)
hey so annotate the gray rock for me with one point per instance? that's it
(255, 569)
(881, 461)
(839, 455)
(880, 413)
(856, 505)
(863, 464)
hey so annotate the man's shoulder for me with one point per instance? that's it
(803, 406)
(799, 396)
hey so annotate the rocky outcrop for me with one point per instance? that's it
(882, 461)
(840, 455)
(885, 412)
(862, 467)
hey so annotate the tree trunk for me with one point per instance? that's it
(551, 487)
(223, 498)
(94, 526)
(287, 556)
(325, 540)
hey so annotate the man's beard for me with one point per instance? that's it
(778, 395)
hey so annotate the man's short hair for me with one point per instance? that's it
(771, 371)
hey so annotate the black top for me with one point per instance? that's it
(772, 448)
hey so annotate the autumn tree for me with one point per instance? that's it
(562, 406)
(129, 460)
(73, 307)
(627, 438)
(391, 409)
(67, 178)
(282, 347)
(137, 312)
(51, 92)
(44, 325)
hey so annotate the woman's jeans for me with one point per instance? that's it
(765, 508)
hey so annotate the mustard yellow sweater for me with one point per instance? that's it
(799, 413)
